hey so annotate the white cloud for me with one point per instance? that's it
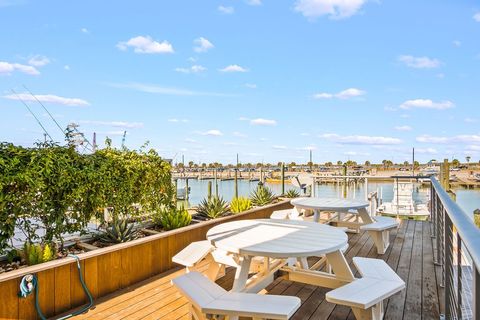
(279, 147)
(202, 45)
(463, 138)
(345, 94)
(335, 9)
(263, 122)
(8, 68)
(305, 134)
(226, 10)
(151, 88)
(419, 62)
(38, 61)
(359, 139)
(309, 148)
(190, 140)
(84, 30)
(243, 119)
(426, 150)
(390, 109)
(192, 69)
(239, 134)
(426, 104)
(145, 44)
(251, 85)
(118, 124)
(213, 132)
(457, 43)
(403, 128)
(470, 120)
(254, 2)
(473, 147)
(66, 67)
(234, 68)
(175, 120)
(476, 16)
(50, 98)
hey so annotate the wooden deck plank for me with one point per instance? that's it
(410, 254)
(397, 302)
(430, 307)
(413, 302)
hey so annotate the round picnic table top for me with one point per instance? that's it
(277, 238)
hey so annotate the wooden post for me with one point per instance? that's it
(209, 189)
(446, 175)
(344, 181)
(186, 189)
(236, 183)
(216, 183)
(283, 178)
(476, 217)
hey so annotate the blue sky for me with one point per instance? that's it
(269, 80)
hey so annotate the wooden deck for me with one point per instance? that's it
(410, 254)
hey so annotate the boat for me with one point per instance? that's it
(403, 206)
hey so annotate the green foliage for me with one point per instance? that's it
(292, 193)
(240, 204)
(170, 219)
(262, 196)
(13, 255)
(59, 190)
(212, 208)
(119, 231)
(36, 253)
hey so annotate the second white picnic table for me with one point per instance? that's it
(334, 204)
(280, 240)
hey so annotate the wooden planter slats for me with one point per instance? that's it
(106, 270)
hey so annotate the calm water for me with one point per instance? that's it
(469, 200)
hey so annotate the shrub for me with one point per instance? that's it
(240, 204)
(292, 193)
(262, 196)
(212, 208)
(119, 231)
(36, 253)
(170, 219)
(58, 190)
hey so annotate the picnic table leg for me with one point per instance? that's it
(363, 213)
(316, 215)
(339, 265)
(241, 274)
(303, 262)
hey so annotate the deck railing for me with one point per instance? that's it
(457, 252)
(456, 241)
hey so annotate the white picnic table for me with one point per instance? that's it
(334, 204)
(278, 240)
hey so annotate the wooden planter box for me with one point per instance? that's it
(107, 269)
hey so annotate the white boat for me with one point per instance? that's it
(403, 205)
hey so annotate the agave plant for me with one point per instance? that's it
(173, 218)
(119, 231)
(292, 193)
(262, 196)
(240, 204)
(212, 208)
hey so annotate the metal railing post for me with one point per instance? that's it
(476, 293)
(447, 270)
(459, 276)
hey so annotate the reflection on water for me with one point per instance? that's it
(469, 200)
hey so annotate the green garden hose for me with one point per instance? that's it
(30, 283)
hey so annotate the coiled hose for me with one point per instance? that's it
(30, 283)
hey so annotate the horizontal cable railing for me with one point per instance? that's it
(457, 252)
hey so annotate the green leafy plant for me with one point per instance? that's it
(212, 208)
(119, 231)
(292, 193)
(240, 204)
(170, 219)
(262, 196)
(59, 190)
(35, 253)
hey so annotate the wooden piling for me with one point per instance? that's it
(283, 178)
